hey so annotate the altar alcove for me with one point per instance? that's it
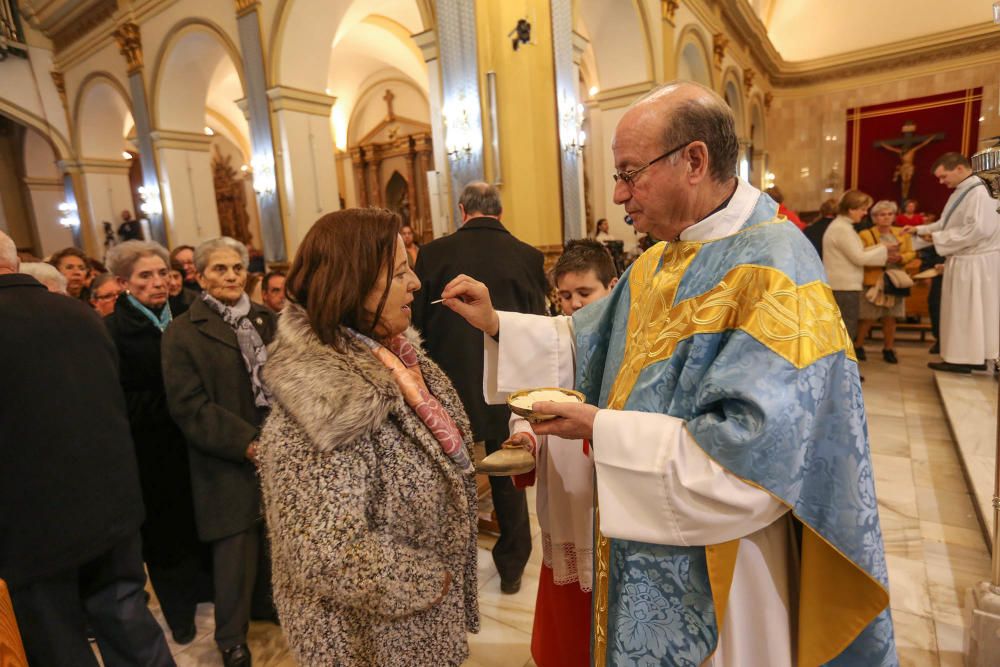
(390, 165)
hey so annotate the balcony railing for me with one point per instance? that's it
(11, 34)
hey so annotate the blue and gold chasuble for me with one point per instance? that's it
(740, 337)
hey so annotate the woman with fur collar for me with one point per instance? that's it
(365, 462)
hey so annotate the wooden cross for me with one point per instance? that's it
(908, 139)
(906, 147)
(389, 97)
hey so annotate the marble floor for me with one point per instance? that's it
(934, 544)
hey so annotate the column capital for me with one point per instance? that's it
(427, 43)
(748, 76)
(184, 141)
(304, 101)
(668, 8)
(130, 45)
(580, 44)
(95, 166)
(244, 7)
(719, 44)
(59, 80)
(768, 98)
(43, 184)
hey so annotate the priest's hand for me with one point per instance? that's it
(471, 300)
(574, 421)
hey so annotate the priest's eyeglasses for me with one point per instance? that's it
(628, 177)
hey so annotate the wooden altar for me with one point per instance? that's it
(390, 169)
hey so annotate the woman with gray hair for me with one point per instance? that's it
(212, 359)
(881, 303)
(170, 544)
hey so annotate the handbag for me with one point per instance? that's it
(897, 282)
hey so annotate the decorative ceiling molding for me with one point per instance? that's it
(747, 28)
(65, 22)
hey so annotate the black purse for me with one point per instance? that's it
(889, 288)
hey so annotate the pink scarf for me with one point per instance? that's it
(401, 359)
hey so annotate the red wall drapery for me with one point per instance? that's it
(870, 169)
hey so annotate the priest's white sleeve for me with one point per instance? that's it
(534, 351)
(656, 485)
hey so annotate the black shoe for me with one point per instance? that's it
(184, 635)
(237, 656)
(955, 368)
(860, 353)
(890, 356)
(935, 348)
(510, 587)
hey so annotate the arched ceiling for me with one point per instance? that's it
(103, 121)
(810, 29)
(198, 86)
(616, 35)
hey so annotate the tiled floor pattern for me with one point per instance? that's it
(934, 545)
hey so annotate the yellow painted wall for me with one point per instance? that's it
(526, 109)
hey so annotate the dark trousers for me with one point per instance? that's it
(934, 306)
(107, 592)
(850, 305)
(511, 552)
(177, 588)
(234, 560)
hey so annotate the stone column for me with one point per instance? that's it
(130, 44)
(187, 185)
(424, 150)
(105, 191)
(570, 110)
(305, 165)
(45, 195)
(374, 187)
(462, 116)
(440, 216)
(668, 10)
(83, 234)
(259, 118)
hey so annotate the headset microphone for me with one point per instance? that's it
(628, 220)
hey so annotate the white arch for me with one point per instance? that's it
(620, 42)
(693, 63)
(103, 115)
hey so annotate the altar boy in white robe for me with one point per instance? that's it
(736, 507)
(968, 235)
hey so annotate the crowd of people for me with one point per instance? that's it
(305, 455)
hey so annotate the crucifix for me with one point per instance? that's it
(906, 147)
(389, 97)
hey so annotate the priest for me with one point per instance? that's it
(735, 498)
(968, 236)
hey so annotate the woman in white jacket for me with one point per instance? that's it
(845, 256)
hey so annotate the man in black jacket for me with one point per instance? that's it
(70, 505)
(513, 270)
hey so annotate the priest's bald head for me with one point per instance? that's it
(675, 158)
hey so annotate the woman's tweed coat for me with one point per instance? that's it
(366, 513)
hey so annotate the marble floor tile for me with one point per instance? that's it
(947, 507)
(951, 644)
(916, 643)
(901, 536)
(908, 589)
(964, 537)
(498, 645)
(518, 610)
(925, 426)
(944, 476)
(935, 451)
(888, 435)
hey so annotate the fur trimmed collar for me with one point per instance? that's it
(336, 398)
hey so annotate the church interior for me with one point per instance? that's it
(252, 118)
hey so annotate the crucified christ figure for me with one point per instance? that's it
(904, 170)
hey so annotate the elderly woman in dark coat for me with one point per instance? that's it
(364, 462)
(169, 540)
(212, 358)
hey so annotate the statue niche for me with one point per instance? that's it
(230, 199)
(390, 169)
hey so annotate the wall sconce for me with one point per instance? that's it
(769, 180)
(462, 139)
(571, 126)
(264, 180)
(149, 195)
(68, 215)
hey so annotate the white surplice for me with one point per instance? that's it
(656, 485)
(968, 235)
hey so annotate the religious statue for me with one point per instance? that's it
(906, 147)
